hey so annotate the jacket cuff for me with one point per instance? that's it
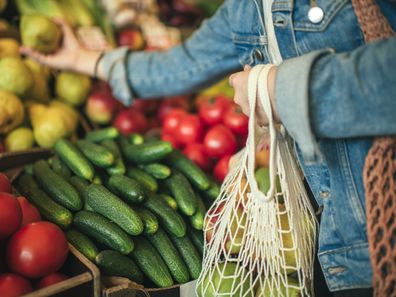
(292, 102)
(114, 66)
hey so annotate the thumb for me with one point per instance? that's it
(247, 67)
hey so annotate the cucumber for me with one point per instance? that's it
(168, 218)
(197, 220)
(146, 153)
(127, 188)
(171, 257)
(197, 238)
(189, 254)
(49, 209)
(118, 167)
(136, 138)
(82, 243)
(80, 185)
(60, 168)
(181, 190)
(169, 200)
(28, 169)
(195, 174)
(101, 229)
(56, 186)
(123, 142)
(113, 263)
(214, 190)
(97, 180)
(74, 159)
(159, 171)
(102, 134)
(151, 263)
(109, 205)
(97, 154)
(145, 179)
(150, 221)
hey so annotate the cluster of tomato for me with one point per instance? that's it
(210, 137)
(31, 250)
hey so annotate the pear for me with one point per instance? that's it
(72, 88)
(40, 33)
(9, 47)
(4, 25)
(19, 139)
(68, 113)
(288, 290)
(40, 91)
(11, 111)
(3, 4)
(16, 77)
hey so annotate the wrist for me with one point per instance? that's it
(86, 63)
(271, 91)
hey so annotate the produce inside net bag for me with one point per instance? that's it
(260, 244)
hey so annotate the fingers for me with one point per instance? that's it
(31, 53)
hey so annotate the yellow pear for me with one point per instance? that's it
(69, 114)
(72, 88)
(11, 112)
(40, 91)
(9, 47)
(19, 139)
(16, 77)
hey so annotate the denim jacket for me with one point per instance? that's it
(332, 94)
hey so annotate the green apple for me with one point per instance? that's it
(9, 47)
(72, 88)
(40, 33)
(19, 139)
(16, 77)
(283, 290)
(11, 112)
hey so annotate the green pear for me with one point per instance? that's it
(72, 88)
(11, 112)
(16, 77)
(288, 290)
(9, 47)
(19, 139)
(40, 33)
(40, 91)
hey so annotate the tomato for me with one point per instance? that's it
(12, 285)
(37, 250)
(130, 121)
(236, 120)
(212, 110)
(219, 141)
(51, 279)
(10, 215)
(170, 103)
(30, 213)
(170, 138)
(172, 120)
(189, 130)
(146, 106)
(196, 153)
(5, 184)
(221, 168)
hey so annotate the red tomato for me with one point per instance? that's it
(189, 130)
(30, 213)
(146, 106)
(221, 168)
(236, 120)
(5, 184)
(130, 121)
(212, 110)
(196, 153)
(172, 120)
(169, 103)
(37, 250)
(51, 279)
(219, 141)
(154, 122)
(10, 215)
(12, 285)
(170, 138)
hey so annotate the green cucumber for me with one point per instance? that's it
(150, 221)
(113, 263)
(151, 263)
(109, 205)
(190, 255)
(169, 200)
(97, 154)
(181, 190)
(49, 209)
(214, 190)
(56, 186)
(161, 241)
(101, 229)
(136, 138)
(197, 238)
(74, 159)
(102, 134)
(195, 174)
(145, 179)
(60, 168)
(80, 185)
(118, 167)
(82, 243)
(197, 220)
(146, 153)
(127, 188)
(159, 171)
(169, 219)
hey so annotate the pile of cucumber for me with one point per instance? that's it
(134, 206)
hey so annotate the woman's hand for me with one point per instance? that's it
(71, 56)
(239, 81)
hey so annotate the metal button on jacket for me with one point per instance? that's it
(315, 14)
(259, 55)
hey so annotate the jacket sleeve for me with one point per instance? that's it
(204, 58)
(338, 95)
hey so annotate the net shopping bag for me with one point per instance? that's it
(260, 244)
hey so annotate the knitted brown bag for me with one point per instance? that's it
(379, 175)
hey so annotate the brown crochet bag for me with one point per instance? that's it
(380, 175)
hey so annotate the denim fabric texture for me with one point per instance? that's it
(332, 100)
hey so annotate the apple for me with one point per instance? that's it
(288, 289)
(263, 156)
(236, 231)
(211, 219)
(131, 38)
(101, 107)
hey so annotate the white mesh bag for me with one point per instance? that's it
(260, 244)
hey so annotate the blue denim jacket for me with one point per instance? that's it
(332, 94)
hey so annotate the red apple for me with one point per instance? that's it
(101, 107)
(130, 121)
(211, 219)
(131, 38)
